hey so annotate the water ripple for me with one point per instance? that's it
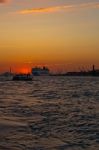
(50, 113)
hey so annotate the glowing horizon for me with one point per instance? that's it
(61, 35)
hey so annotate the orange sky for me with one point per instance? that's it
(61, 35)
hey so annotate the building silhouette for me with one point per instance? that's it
(93, 72)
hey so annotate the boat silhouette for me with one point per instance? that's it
(22, 77)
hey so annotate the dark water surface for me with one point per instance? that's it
(50, 113)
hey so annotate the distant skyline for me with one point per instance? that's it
(60, 34)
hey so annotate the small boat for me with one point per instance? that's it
(6, 76)
(22, 77)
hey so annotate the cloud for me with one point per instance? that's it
(59, 8)
(90, 5)
(4, 1)
(43, 10)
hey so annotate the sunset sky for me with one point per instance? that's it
(61, 34)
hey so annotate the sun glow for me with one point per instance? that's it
(62, 35)
(23, 70)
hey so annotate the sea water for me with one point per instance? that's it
(50, 113)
